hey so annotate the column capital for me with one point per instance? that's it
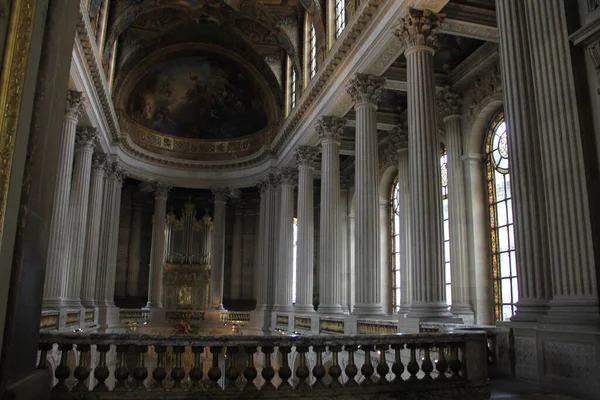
(86, 137)
(305, 155)
(220, 193)
(399, 137)
(75, 102)
(365, 88)
(287, 176)
(161, 189)
(99, 162)
(449, 102)
(419, 29)
(330, 128)
(115, 171)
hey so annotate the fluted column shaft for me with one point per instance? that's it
(107, 254)
(206, 243)
(284, 270)
(56, 281)
(529, 202)
(236, 253)
(92, 236)
(157, 254)
(133, 261)
(366, 91)
(261, 274)
(574, 288)
(406, 282)
(80, 190)
(218, 248)
(306, 230)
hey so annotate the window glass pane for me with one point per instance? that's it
(509, 211)
(395, 245)
(513, 263)
(507, 312)
(503, 238)
(505, 264)
(515, 291)
(501, 214)
(511, 237)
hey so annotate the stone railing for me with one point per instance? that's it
(136, 316)
(239, 317)
(357, 366)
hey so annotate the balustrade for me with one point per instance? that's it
(448, 365)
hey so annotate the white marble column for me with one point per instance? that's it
(416, 33)
(330, 272)
(157, 254)
(206, 244)
(400, 141)
(366, 91)
(260, 274)
(236, 252)
(218, 248)
(85, 140)
(346, 183)
(305, 155)
(572, 263)
(449, 105)
(133, 261)
(107, 253)
(284, 271)
(55, 286)
(265, 277)
(524, 133)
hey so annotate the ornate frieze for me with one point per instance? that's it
(365, 88)
(75, 102)
(330, 128)
(306, 155)
(485, 86)
(287, 176)
(449, 102)
(419, 28)
(86, 136)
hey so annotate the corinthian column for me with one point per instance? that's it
(330, 268)
(529, 202)
(574, 280)
(417, 34)
(157, 255)
(92, 235)
(366, 91)
(450, 111)
(305, 155)
(85, 139)
(107, 255)
(285, 268)
(55, 286)
(236, 252)
(133, 262)
(218, 248)
(400, 141)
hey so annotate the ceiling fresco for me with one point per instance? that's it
(201, 97)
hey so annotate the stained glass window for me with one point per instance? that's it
(295, 261)
(313, 51)
(340, 17)
(445, 224)
(395, 245)
(504, 266)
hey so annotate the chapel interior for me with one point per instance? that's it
(299, 199)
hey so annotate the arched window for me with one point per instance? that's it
(293, 88)
(395, 244)
(340, 17)
(446, 227)
(504, 266)
(295, 260)
(312, 40)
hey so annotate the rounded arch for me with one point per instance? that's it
(477, 129)
(387, 175)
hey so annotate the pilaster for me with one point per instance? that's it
(157, 255)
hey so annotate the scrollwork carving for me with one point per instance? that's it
(86, 136)
(75, 102)
(399, 137)
(306, 155)
(161, 189)
(449, 102)
(419, 28)
(330, 128)
(483, 87)
(287, 176)
(99, 161)
(365, 88)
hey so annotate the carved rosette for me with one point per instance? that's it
(330, 128)
(220, 193)
(161, 189)
(399, 137)
(99, 162)
(419, 28)
(86, 137)
(365, 88)
(449, 102)
(306, 155)
(75, 102)
(287, 176)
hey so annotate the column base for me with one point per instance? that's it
(424, 311)
(88, 303)
(52, 303)
(366, 309)
(72, 303)
(108, 315)
(304, 308)
(153, 305)
(328, 309)
(576, 311)
(530, 310)
(464, 312)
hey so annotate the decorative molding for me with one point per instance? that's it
(419, 28)
(330, 325)
(115, 171)
(75, 103)
(99, 162)
(483, 87)
(365, 88)
(330, 128)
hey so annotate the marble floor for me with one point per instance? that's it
(515, 390)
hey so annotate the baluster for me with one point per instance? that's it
(413, 366)
(214, 373)
(426, 364)
(140, 373)
(302, 371)
(121, 372)
(82, 371)
(62, 371)
(335, 371)
(285, 372)
(455, 364)
(351, 369)
(382, 368)
(397, 366)
(232, 372)
(160, 373)
(196, 372)
(319, 370)
(367, 369)
(267, 372)
(101, 371)
(441, 365)
(250, 372)
(177, 373)
(44, 349)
